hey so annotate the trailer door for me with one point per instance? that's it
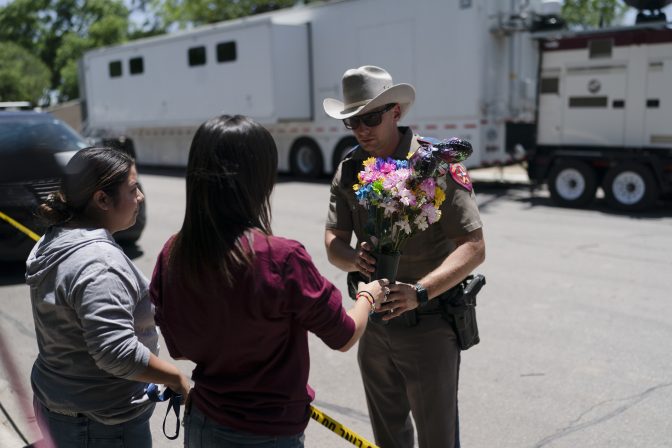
(594, 106)
(658, 102)
(549, 122)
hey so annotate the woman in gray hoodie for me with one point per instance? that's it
(93, 318)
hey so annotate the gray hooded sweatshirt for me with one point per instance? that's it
(94, 324)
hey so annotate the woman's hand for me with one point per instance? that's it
(182, 387)
(365, 262)
(379, 290)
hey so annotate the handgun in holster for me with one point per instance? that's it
(458, 307)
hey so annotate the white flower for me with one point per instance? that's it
(389, 207)
(421, 222)
(404, 225)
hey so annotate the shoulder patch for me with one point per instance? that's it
(460, 175)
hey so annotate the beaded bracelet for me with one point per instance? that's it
(369, 298)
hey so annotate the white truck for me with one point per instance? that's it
(473, 62)
(605, 115)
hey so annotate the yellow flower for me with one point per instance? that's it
(439, 196)
(370, 161)
(355, 187)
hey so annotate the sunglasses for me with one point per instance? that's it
(371, 120)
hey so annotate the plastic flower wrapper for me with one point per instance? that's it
(434, 156)
(404, 197)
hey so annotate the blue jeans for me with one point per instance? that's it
(202, 432)
(82, 432)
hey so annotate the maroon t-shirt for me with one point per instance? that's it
(250, 342)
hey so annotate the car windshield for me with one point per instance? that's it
(21, 134)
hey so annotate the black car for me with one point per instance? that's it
(34, 149)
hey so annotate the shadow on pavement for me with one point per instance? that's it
(12, 272)
(132, 250)
(663, 209)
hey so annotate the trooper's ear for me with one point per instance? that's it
(101, 200)
(396, 112)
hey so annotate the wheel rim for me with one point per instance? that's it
(306, 159)
(570, 184)
(628, 188)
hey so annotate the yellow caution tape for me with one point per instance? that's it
(20, 227)
(317, 415)
(339, 429)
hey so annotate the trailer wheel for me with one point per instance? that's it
(342, 149)
(572, 183)
(630, 187)
(305, 159)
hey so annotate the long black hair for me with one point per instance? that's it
(230, 176)
(89, 170)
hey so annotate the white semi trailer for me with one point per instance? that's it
(605, 116)
(474, 64)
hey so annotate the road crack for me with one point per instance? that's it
(577, 425)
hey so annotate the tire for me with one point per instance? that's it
(305, 159)
(572, 183)
(630, 187)
(342, 149)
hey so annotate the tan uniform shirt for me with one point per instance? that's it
(424, 251)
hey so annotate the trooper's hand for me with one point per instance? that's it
(402, 298)
(365, 262)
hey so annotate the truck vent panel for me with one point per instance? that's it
(600, 48)
(661, 139)
(550, 85)
(588, 101)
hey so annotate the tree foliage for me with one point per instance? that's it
(199, 12)
(592, 13)
(25, 78)
(59, 31)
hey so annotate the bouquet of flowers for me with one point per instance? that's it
(404, 197)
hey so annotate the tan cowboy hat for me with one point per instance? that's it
(367, 88)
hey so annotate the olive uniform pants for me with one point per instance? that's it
(411, 369)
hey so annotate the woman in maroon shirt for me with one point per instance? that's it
(239, 302)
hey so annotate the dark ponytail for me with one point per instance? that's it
(89, 170)
(54, 210)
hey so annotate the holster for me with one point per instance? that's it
(458, 307)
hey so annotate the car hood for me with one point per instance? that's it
(57, 244)
(32, 165)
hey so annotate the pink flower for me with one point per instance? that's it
(387, 167)
(428, 186)
(407, 197)
(431, 213)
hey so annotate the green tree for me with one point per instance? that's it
(200, 12)
(26, 78)
(592, 13)
(59, 31)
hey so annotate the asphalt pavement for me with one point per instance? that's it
(574, 320)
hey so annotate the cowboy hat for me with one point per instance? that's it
(365, 89)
